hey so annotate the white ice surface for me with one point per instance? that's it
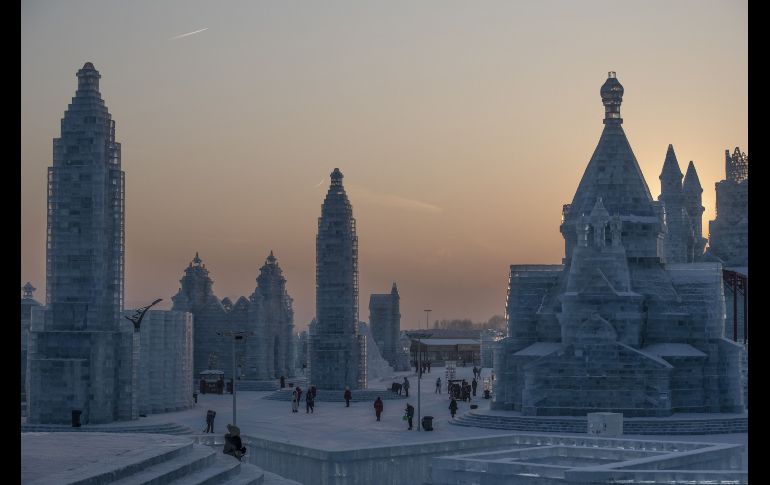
(334, 427)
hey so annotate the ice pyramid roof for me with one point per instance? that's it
(614, 175)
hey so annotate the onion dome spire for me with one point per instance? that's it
(612, 96)
(88, 78)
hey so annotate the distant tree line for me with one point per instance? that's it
(496, 322)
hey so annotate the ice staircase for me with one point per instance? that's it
(324, 395)
(631, 426)
(247, 385)
(158, 428)
(268, 385)
(188, 464)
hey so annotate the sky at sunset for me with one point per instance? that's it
(461, 129)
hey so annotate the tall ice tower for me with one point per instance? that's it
(80, 355)
(335, 354)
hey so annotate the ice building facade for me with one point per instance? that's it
(196, 296)
(336, 357)
(488, 339)
(682, 208)
(728, 232)
(165, 371)
(265, 354)
(377, 367)
(80, 348)
(301, 351)
(728, 244)
(385, 321)
(27, 302)
(271, 354)
(615, 328)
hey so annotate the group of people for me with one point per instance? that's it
(233, 444)
(399, 387)
(296, 397)
(310, 397)
(462, 390)
(423, 366)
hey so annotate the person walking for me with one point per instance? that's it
(438, 386)
(348, 396)
(378, 407)
(294, 401)
(474, 371)
(474, 384)
(210, 415)
(309, 402)
(453, 407)
(405, 385)
(409, 414)
(428, 367)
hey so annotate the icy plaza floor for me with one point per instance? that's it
(325, 441)
(339, 445)
(332, 426)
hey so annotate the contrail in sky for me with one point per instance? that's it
(189, 33)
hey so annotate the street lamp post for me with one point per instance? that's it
(138, 315)
(240, 335)
(419, 372)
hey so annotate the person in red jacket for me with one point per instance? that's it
(348, 396)
(378, 407)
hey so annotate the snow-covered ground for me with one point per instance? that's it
(334, 427)
(44, 457)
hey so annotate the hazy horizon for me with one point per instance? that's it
(461, 130)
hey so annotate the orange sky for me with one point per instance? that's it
(461, 129)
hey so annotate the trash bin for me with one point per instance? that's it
(486, 393)
(76, 418)
(283, 382)
(427, 423)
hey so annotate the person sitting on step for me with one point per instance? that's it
(233, 444)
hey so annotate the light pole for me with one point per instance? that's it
(419, 336)
(137, 317)
(240, 335)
